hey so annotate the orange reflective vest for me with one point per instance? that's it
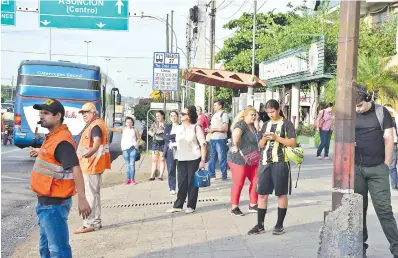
(48, 178)
(101, 159)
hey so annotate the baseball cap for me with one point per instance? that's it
(88, 107)
(52, 105)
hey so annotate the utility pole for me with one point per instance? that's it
(87, 42)
(200, 91)
(172, 29)
(167, 33)
(188, 50)
(167, 50)
(250, 92)
(345, 220)
(212, 48)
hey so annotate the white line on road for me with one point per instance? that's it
(4, 152)
(14, 178)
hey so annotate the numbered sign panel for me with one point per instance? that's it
(166, 68)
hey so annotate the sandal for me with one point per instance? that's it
(151, 179)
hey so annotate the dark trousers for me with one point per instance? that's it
(185, 174)
(375, 180)
(171, 169)
(325, 142)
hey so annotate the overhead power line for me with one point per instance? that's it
(261, 6)
(244, 3)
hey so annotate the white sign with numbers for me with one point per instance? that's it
(166, 67)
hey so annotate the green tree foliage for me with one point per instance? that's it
(376, 45)
(140, 111)
(276, 33)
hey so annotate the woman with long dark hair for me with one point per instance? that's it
(191, 155)
(274, 170)
(170, 147)
(157, 133)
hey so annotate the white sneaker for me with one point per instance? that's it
(189, 210)
(327, 158)
(172, 192)
(173, 210)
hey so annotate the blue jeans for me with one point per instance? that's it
(393, 168)
(54, 233)
(171, 169)
(218, 149)
(129, 160)
(325, 142)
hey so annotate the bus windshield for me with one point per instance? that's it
(58, 76)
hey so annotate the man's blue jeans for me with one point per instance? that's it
(129, 161)
(218, 149)
(393, 168)
(54, 233)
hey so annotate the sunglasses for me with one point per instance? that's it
(183, 113)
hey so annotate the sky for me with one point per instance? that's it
(26, 41)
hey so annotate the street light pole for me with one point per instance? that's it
(250, 91)
(107, 65)
(87, 42)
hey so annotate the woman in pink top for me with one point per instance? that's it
(325, 131)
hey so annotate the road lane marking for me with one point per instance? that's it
(14, 178)
(4, 152)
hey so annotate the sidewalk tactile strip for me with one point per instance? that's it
(113, 206)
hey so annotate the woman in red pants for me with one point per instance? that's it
(243, 160)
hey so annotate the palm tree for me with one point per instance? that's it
(380, 79)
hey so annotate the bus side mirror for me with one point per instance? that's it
(118, 99)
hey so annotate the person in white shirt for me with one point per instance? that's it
(191, 155)
(130, 145)
(218, 139)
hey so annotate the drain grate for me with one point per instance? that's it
(113, 206)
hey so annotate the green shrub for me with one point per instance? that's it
(307, 130)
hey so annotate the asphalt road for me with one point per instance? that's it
(18, 202)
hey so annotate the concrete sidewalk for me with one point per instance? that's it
(136, 224)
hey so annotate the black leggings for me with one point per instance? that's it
(185, 173)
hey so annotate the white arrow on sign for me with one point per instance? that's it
(119, 5)
(45, 22)
(100, 25)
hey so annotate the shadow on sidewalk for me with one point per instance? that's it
(204, 209)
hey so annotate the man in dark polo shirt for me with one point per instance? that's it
(373, 155)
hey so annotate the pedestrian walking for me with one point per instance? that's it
(393, 166)
(56, 176)
(324, 124)
(373, 155)
(130, 144)
(274, 170)
(157, 133)
(218, 140)
(170, 147)
(243, 160)
(191, 155)
(94, 158)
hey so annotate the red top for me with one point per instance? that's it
(203, 122)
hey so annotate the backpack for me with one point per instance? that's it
(229, 132)
(380, 115)
(319, 122)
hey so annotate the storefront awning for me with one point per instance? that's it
(221, 78)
